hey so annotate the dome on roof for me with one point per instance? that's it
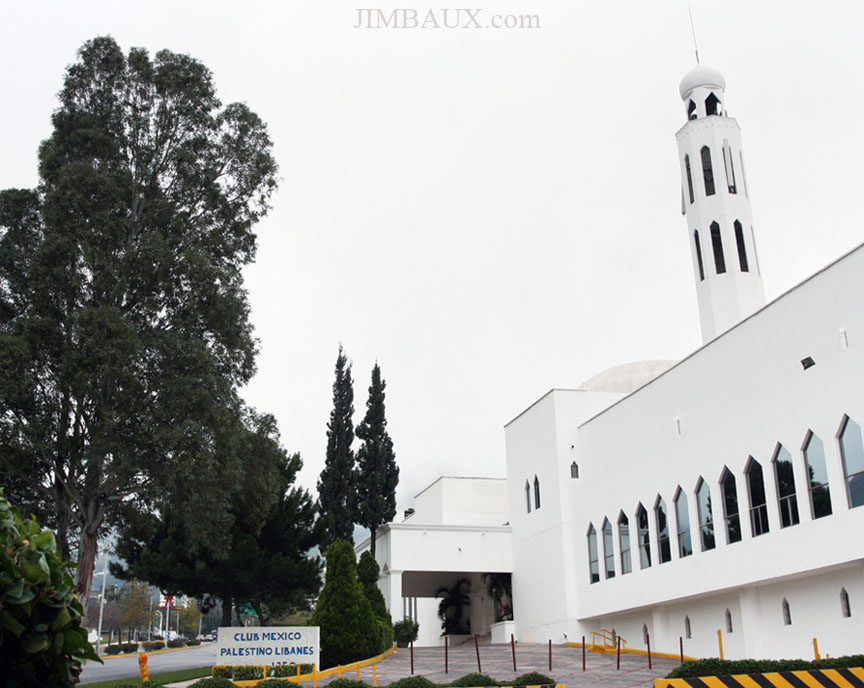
(626, 378)
(701, 75)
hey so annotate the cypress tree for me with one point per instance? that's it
(336, 482)
(377, 472)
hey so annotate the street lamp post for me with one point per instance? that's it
(104, 575)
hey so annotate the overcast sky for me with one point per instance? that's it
(487, 213)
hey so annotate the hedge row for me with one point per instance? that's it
(727, 667)
(245, 672)
(469, 680)
(121, 648)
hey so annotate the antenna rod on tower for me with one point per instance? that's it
(693, 29)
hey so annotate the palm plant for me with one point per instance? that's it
(451, 608)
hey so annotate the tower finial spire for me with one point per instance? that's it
(693, 29)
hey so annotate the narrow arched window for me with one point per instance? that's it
(706, 517)
(707, 171)
(699, 254)
(820, 495)
(687, 632)
(729, 164)
(644, 537)
(689, 177)
(845, 609)
(624, 543)
(712, 105)
(717, 246)
(663, 546)
(593, 560)
(536, 493)
(728, 621)
(608, 549)
(852, 453)
(785, 478)
(756, 494)
(691, 111)
(730, 506)
(528, 496)
(787, 614)
(682, 516)
(574, 470)
(742, 248)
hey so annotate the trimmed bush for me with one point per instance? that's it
(349, 631)
(213, 683)
(247, 672)
(405, 631)
(532, 678)
(177, 642)
(126, 648)
(725, 667)
(413, 682)
(193, 643)
(272, 683)
(144, 684)
(221, 671)
(288, 670)
(112, 649)
(476, 679)
(42, 642)
(152, 645)
(348, 683)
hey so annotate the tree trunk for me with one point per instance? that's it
(372, 531)
(227, 603)
(86, 562)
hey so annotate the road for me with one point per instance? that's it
(125, 667)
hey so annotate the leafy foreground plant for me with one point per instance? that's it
(42, 642)
(726, 667)
(532, 678)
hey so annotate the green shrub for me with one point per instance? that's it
(143, 684)
(532, 678)
(177, 642)
(349, 631)
(112, 649)
(42, 641)
(347, 683)
(385, 635)
(193, 643)
(725, 667)
(247, 672)
(273, 683)
(152, 645)
(127, 648)
(288, 670)
(221, 671)
(405, 631)
(213, 683)
(475, 679)
(414, 682)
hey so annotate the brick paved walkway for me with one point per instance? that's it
(497, 661)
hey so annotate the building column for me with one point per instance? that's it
(751, 622)
(393, 594)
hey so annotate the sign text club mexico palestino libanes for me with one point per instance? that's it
(268, 645)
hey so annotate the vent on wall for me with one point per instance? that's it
(807, 362)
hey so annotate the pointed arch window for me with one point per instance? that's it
(688, 633)
(664, 547)
(742, 248)
(536, 493)
(728, 621)
(528, 496)
(729, 164)
(574, 470)
(730, 506)
(706, 517)
(785, 478)
(682, 516)
(699, 254)
(756, 495)
(691, 110)
(707, 171)
(644, 537)
(608, 549)
(689, 177)
(814, 458)
(624, 543)
(717, 246)
(787, 613)
(712, 105)
(593, 560)
(852, 453)
(845, 609)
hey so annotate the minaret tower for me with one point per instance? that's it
(716, 205)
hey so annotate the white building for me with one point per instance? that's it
(676, 499)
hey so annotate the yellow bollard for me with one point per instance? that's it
(374, 674)
(314, 677)
(358, 673)
(339, 671)
(720, 641)
(264, 669)
(298, 673)
(816, 648)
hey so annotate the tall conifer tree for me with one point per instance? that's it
(336, 482)
(377, 472)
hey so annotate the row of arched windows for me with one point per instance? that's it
(717, 249)
(536, 494)
(851, 447)
(708, 176)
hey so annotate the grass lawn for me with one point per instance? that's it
(167, 677)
